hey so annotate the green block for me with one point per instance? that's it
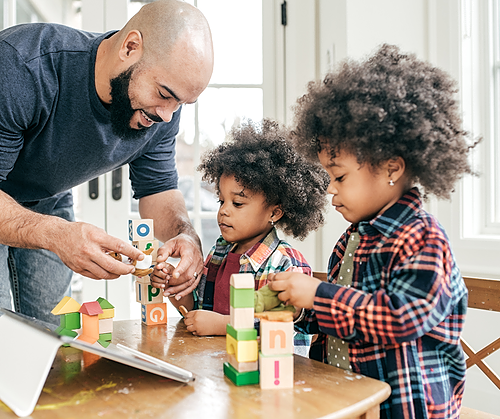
(240, 378)
(241, 334)
(105, 339)
(71, 321)
(241, 297)
(104, 303)
(61, 331)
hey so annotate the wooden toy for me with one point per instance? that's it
(144, 245)
(276, 371)
(108, 309)
(241, 318)
(154, 313)
(240, 378)
(90, 322)
(147, 294)
(105, 326)
(242, 366)
(276, 338)
(242, 281)
(241, 334)
(66, 305)
(243, 350)
(241, 297)
(183, 310)
(140, 230)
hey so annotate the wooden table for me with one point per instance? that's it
(81, 385)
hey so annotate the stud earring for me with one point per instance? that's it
(272, 223)
(391, 182)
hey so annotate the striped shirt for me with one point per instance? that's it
(402, 315)
(267, 256)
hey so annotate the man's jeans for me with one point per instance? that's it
(37, 279)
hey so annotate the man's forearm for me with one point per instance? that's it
(20, 227)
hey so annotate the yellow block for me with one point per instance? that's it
(107, 313)
(66, 305)
(243, 350)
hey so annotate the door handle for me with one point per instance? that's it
(94, 188)
(116, 184)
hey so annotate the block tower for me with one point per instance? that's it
(276, 349)
(153, 309)
(241, 337)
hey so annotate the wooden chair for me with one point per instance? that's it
(484, 294)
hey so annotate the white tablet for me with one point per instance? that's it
(28, 350)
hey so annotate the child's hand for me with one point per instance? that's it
(206, 323)
(159, 278)
(295, 288)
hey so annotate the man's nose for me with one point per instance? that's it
(166, 112)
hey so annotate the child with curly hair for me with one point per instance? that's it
(394, 304)
(262, 185)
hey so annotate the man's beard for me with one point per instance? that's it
(121, 107)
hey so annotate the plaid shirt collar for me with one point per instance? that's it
(408, 206)
(257, 255)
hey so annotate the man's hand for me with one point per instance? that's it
(295, 288)
(84, 249)
(206, 323)
(187, 274)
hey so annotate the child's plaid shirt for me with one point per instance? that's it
(403, 314)
(270, 255)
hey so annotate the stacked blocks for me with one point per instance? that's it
(276, 350)
(153, 309)
(92, 321)
(241, 337)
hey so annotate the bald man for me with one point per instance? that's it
(75, 105)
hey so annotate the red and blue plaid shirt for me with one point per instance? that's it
(402, 315)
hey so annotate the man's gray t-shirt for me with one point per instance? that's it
(55, 133)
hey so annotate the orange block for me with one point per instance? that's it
(154, 313)
(90, 329)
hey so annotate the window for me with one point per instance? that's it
(13, 12)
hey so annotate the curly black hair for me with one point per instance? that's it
(262, 159)
(390, 105)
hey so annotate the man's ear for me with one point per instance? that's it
(131, 47)
(395, 168)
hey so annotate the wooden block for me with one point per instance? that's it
(143, 245)
(104, 339)
(71, 321)
(107, 313)
(154, 313)
(142, 279)
(140, 230)
(242, 281)
(276, 371)
(242, 366)
(276, 338)
(90, 328)
(183, 310)
(276, 316)
(241, 318)
(105, 304)
(105, 326)
(61, 331)
(241, 297)
(243, 350)
(65, 306)
(147, 294)
(91, 308)
(241, 334)
(241, 378)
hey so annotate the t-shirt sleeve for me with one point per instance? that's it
(155, 171)
(17, 106)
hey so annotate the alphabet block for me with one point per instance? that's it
(241, 297)
(147, 294)
(140, 230)
(240, 378)
(276, 371)
(154, 313)
(241, 318)
(239, 281)
(276, 338)
(243, 350)
(242, 366)
(143, 245)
